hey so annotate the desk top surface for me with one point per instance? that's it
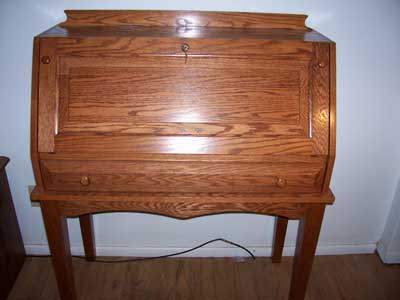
(184, 24)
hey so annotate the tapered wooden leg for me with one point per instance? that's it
(87, 231)
(57, 236)
(279, 238)
(307, 239)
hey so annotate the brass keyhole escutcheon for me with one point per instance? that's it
(185, 48)
(281, 182)
(46, 60)
(85, 181)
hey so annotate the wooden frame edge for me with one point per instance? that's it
(34, 111)
(332, 117)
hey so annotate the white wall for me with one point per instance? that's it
(368, 145)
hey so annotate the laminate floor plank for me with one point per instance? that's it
(225, 279)
(204, 284)
(244, 280)
(346, 277)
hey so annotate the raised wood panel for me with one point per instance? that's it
(141, 176)
(183, 19)
(214, 97)
(206, 96)
(183, 94)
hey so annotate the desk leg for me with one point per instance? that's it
(87, 231)
(57, 236)
(307, 239)
(279, 238)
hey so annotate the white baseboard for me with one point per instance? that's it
(206, 251)
(386, 256)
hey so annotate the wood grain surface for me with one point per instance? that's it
(57, 235)
(182, 205)
(128, 47)
(39, 194)
(87, 231)
(129, 176)
(159, 157)
(47, 96)
(306, 244)
(35, 112)
(281, 224)
(320, 98)
(183, 145)
(332, 117)
(183, 19)
(185, 33)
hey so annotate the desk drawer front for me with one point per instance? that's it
(147, 176)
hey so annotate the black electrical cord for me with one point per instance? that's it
(161, 256)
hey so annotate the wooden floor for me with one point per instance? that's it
(333, 277)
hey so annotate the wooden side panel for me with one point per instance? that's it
(47, 95)
(183, 19)
(34, 111)
(139, 176)
(320, 99)
(332, 118)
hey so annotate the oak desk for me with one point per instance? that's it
(183, 114)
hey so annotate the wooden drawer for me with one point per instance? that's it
(199, 177)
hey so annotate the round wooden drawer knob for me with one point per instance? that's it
(280, 182)
(46, 60)
(85, 181)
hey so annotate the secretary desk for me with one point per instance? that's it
(182, 114)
